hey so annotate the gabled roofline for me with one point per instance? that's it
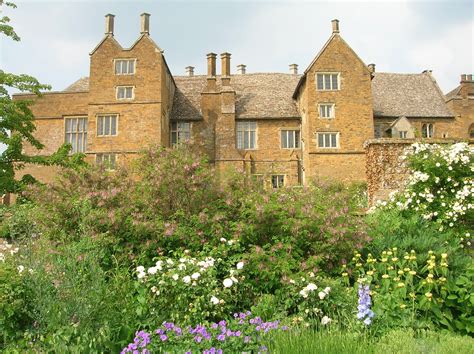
(126, 49)
(303, 78)
(438, 89)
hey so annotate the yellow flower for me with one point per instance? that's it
(390, 268)
(370, 272)
(400, 285)
(406, 257)
(396, 279)
(394, 249)
(444, 264)
(344, 274)
(358, 264)
(389, 253)
(412, 251)
(412, 272)
(400, 272)
(412, 295)
(385, 276)
(384, 260)
(442, 279)
(403, 306)
(430, 252)
(430, 275)
(429, 295)
(406, 269)
(394, 259)
(444, 255)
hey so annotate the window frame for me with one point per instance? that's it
(177, 131)
(425, 132)
(333, 110)
(298, 141)
(111, 166)
(124, 87)
(102, 115)
(255, 131)
(338, 74)
(337, 134)
(403, 134)
(125, 59)
(83, 132)
(278, 181)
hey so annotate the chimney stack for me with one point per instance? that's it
(190, 70)
(241, 69)
(469, 77)
(145, 23)
(463, 77)
(225, 65)
(371, 68)
(294, 69)
(109, 24)
(335, 26)
(211, 64)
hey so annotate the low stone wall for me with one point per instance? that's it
(386, 169)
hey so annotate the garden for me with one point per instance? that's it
(165, 257)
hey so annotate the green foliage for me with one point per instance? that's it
(17, 126)
(17, 223)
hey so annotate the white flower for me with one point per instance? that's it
(214, 300)
(140, 269)
(228, 282)
(327, 289)
(175, 276)
(187, 279)
(322, 295)
(159, 265)
(169, 261)
(311, 287)
(141, 275)
(21, 269)
(240, 265)
(181, 266)
(234, 279)
(304, 293)
(291, 281)
(311, 275)
(154, 289)
(195, 275)
(223, 239)
(152, 270)
(325, 320)
(230, 242)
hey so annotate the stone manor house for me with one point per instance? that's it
(282, 128)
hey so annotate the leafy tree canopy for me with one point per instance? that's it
(17, 125)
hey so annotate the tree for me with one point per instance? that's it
(17, 125)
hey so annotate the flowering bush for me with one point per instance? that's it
(407, 288)
(441, 186)
(192, 289)
(244, 333)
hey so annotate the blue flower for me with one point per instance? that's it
(364, 313)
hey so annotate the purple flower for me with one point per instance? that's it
(214, 326)
(238, 334)
(364, 312)
(221, 337)
(198, 339)
(284, 328)
(246, 339)
(222, 323)
(164, 337)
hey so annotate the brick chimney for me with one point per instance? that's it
(225, 66)
(241, 69)
(294, 69)
(190, 70)
(466, 78)
(335, 26)
(211, 71)
(109, 24)
(145, 23)
(371, 68)
(467, 86)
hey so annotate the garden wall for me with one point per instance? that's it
(386, 170)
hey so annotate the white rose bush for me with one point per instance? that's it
(441, 186)
(187, 288)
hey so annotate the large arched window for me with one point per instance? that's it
(427, 130)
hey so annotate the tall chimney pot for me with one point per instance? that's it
(371, 68)
(109, 24)
(463, 77)
(145, 23)
(225, 66)
(190, 70)
(211, 64)
(241, 69)
(335, 26)
(294, 69)
(469, 77)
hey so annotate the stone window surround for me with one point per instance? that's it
(125, 87)
(128, 74)
(178, 131)
(237, 133)
(328, 73)
(83, 132)
(333, 110)
(425, 130)
(338, 146)
(279, 182)
(111, 156)
(100, 115)
(289, 129)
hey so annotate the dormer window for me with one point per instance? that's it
(125, 66)
(327, 81)
(125, 92)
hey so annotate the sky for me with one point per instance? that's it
(267, 36)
